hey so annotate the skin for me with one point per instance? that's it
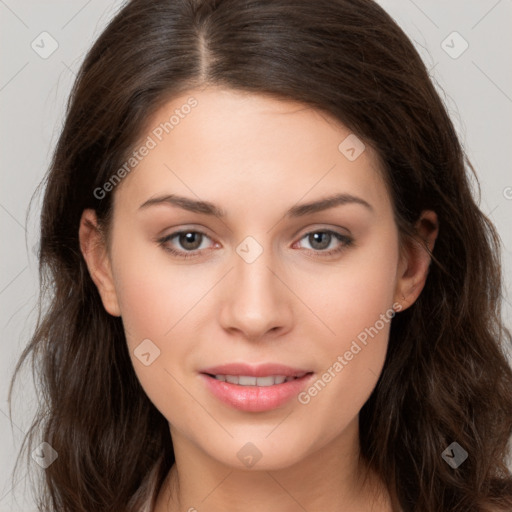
(255, 157)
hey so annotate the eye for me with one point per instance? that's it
(190, 240)
(320, 240)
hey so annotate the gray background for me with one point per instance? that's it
(476, 87)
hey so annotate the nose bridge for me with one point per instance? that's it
(257, 302)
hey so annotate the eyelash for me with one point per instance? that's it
(347, 242)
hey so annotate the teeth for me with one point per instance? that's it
(246, 380)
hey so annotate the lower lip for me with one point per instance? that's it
(256, 398)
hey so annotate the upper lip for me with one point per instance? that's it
(260, 370)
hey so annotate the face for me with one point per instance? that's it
(264, 280)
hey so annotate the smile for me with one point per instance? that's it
(255, 394)
(247, 380)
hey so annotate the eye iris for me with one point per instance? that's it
(187, 239)
(318, 237)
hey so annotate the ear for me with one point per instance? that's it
(415, 260)
(94, 249)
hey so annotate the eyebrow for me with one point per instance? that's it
(207, 208)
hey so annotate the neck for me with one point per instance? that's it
(331, 478)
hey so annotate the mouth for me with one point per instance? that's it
(249, 380)
(252, 393)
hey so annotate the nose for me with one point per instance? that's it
(256, 301)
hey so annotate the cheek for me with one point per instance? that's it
(152, 305)
(357, 309)
(351, 296)
(155, 294)
(157, 300)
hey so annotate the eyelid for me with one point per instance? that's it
(322, 227)
(345, 240)
(162, 240)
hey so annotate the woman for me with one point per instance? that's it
(333, 340)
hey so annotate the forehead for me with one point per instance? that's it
(252, 149)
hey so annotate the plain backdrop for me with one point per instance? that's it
(465, 44)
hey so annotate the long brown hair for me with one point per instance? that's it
(446, 378)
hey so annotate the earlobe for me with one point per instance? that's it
(415, 260)
(94, 251)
